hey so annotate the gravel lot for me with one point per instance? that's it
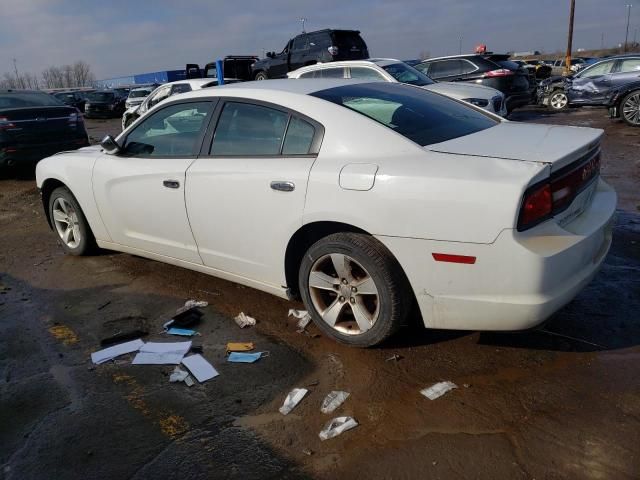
(559, 403)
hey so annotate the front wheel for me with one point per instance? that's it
(558, 100)
(70, 224)
(354, 289)
(630, 109)
(261, 76)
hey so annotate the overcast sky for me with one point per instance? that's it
(123, 37)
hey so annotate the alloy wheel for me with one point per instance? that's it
(65, 220)
(344, 294)
(631, 109)
(559, 100)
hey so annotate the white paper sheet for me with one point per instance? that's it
(200, 368)
(110, 353)
(154, 353)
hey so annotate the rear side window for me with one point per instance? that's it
(419, 115)
(364, 73)
(318, 40)
(630, 65)
(337, 72)
(180, 88)
(299, 137)
(448, 68)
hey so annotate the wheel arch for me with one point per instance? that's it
(48, 186)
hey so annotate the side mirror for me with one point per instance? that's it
(110, 145)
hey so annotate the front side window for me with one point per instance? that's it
(603, 68)
(417, 114)
(245, 129)
(173, 131)
(364, 73)
(300, 43)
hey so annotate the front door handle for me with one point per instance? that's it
(171, 184)
(283, 186)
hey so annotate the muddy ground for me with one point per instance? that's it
(563, 402)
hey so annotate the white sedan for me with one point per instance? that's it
(363, 199)
(391, 70)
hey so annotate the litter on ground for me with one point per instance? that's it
(438, 389)
(241, 357)
(179, 375)
(239, 346)
(303, 318)
(110, 353)
(123, 337)
(293, 399)
(245, 320)
(182, 332)
(153, 353)
(333, 400)
(189, 304)
(337, 426)
(200, 368)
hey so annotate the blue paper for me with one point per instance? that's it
(239, 357)
(181, 331)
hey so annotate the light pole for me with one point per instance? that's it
(302, 20)
(626, 37)
(460, 45)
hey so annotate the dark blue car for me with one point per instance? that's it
(594, 84)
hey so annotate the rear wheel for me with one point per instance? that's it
(354, 289)
(558, 100)
(261, 76)
(630, 109)
(69, 223)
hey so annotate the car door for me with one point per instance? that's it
(140, 190)
(299, 52)
(627, 70)
(591, 85)
(245, 194)
(279, 63)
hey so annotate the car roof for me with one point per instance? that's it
(488, 56)
(380, 62)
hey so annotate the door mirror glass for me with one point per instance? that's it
(109, 145)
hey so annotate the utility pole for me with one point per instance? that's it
(19, 82)
(626, 37)
(570, 39)
(302, 19)
(602, 41)
(460, 45)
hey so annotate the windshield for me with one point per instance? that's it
(139, 93)
(407, 74)
(28, 99)
(419, 115)
(101, 97)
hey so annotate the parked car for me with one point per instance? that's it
(492, 70)
(364, 199)
(391, 70)
(624, 102)
(161, 93)
(137, 96)
(537, 69)
(558, 66)
(310, 48)
(105, 104)
(73, 99)
(593, 85)
(234, 66)
(34, 125)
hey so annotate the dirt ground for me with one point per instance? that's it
(561, 402)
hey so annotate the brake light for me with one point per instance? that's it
(5, 123)
(542, 201)
(333, 50)
(501, 72)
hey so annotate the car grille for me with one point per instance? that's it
(497, 103)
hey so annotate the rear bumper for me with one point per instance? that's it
(516, 100)
(22, 154)
(518, 281)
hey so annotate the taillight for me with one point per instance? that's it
(545, 200)
(333, 50)
(501, 72)
(5, 123)
(536, 207)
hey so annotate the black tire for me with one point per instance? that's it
(261, 75)
(561, 101)
(87, 242)
(631, 101)
(394, 299)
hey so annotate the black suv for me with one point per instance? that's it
(490, 69)
(309, 48)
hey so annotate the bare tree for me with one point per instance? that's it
(66, 76)
(82, 74)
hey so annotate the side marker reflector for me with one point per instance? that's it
(445, 257)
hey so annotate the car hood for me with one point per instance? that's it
(461, 90)
(547, 144)
(90, 150)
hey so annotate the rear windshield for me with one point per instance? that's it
(139, 93)
(419, 115)
(28, 99)
(101, 97)
(508, 64)
(348, 40)
(407, 74)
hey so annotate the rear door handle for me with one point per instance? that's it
(171, 184)
(283, 186)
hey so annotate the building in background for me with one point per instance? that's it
(142, 78)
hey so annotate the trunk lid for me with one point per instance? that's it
(39, 124)
(557, 146)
